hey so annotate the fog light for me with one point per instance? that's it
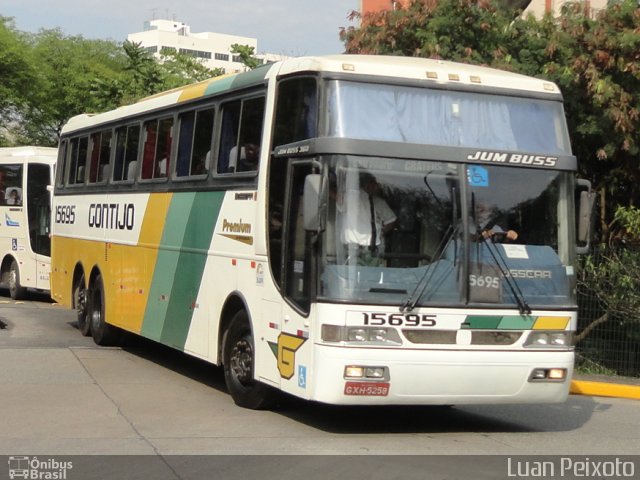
(353, 372)
(557, 374)
(539, 374)
(374, 372)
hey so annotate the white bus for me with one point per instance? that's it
(222, 219)
(25, 212)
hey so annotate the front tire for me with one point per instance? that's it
(103, 333)
(17, 291)
(239, 361)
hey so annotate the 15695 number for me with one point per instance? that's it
(399, 319)
(66, 214)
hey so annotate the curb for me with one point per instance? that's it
(602, 389)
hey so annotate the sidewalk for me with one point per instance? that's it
(605, 386)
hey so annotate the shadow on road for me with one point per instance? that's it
(568, 416)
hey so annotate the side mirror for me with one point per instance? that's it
(311, 207)
(585, 215)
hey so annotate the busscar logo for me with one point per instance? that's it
(38, 469)
(513, 158)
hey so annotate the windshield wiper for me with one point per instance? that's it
(411, 301)
(501, 263)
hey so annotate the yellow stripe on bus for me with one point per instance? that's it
(551, 323)
(138, 264)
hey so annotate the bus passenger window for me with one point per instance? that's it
(100, 153)
(77, 160)
(157, 148)
(194, 143)
(250, 135)
(127, 141)
(241, 136)
(228, 137)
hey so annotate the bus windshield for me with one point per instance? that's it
(447, 234)
(395, 113)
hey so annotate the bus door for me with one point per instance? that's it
(39, 177)
(296, 265)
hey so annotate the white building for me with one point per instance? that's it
(539, 7)
(214, 49)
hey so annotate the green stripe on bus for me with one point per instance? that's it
(166, 265)
(498, 322)
(220, 85)
(517, 323)
(255, 76)
(482, 322)
(191, 262)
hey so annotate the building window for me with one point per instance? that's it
(222, 56)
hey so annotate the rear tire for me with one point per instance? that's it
(17, 291)
(103, 333)
(80, 304)
(239, 360)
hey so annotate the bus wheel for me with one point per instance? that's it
(239, 358)
(16, 291)
(102, 333)
(80, 302)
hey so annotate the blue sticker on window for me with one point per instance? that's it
(302, 376)
(478, 176)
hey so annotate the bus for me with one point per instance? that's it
(25, 213)
(213, 218)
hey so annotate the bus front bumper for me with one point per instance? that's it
(439, 377)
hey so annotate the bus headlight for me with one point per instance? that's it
(360, 335)
(552, 339)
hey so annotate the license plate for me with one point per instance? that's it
(369, 389)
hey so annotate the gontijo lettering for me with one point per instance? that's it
(112, 215)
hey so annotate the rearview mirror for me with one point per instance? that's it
(585, 215)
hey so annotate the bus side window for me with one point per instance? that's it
(126, 155)
(99, 156)
(157, 148)
(194, 143)
(228, 136)
(241, 135)
(77, 160)
(296, 111)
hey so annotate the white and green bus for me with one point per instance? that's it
(212, 219)
(25, 213)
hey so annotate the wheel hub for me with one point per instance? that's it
(241, 361)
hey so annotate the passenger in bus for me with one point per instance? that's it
(248, 160)
(364, 228)
(13, 196)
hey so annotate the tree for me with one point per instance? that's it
(601, 81)
(66, 70)
(246, 54)
(16, 74)
(596, 63)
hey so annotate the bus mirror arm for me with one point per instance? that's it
(585, 215)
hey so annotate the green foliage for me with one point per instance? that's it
(66, 70)
(596, 63)
(246, 54)
(46, 78)
(16, 75)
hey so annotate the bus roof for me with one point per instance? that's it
(48, 154)
(412, 68)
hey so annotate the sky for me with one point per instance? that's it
(287, 27)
